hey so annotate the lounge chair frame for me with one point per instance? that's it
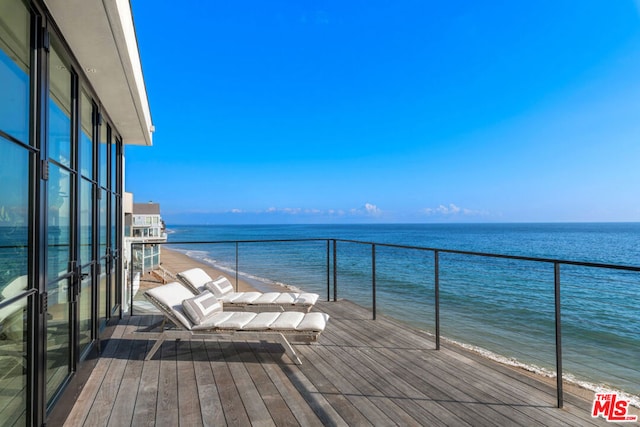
(278, 336)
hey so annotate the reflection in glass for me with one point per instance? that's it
(85, 308)
(58, 335)
(15, 63)
(102, 299)
(86, 136)
(114, 300)
(114, 163)
(114, 201)
(59, 109)
(59, 217)
(14, 217)
(85, 228)
(104, 152)
(103, 223)
(13, 363)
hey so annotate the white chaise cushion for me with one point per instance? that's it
(306, 299)
(266, 298)
(313, 322)
(237, 320)
(195, 277)
(171, 296)
(201, 307)
(261, 322)
(288, 320)
(245, 297)
(286, 298)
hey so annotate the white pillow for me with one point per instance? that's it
(202, 307)
(219, 287)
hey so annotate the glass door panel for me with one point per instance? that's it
(85, 236)
(86, 212)
(86, 139)
(102, 298)
(58, 335)
(59, 217)
(84, 309)
(13, 362)
(59, 109)
(114, 294)
(15, 65)
(58, 340)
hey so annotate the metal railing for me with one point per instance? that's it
(332, 275)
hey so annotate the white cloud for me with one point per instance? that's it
(367, 210)
(372, 209)
(236, 211)
(452, 210)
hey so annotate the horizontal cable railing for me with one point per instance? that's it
(541, 310)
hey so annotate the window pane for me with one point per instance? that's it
(84, 303)
(114, 243)
(13, 364)
(102, 298)
(86, 136)
(103, 224)
(86, 213)
(58, 335)
(14, 215)
(59, 217)
(114, 164)
(15, 64)
(59, 109)
(103, 155)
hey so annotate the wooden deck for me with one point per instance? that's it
(361, 372)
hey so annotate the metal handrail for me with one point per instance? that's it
(332, 267)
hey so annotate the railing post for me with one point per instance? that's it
(328, 270)
(335, 270)
(236, 266)
(556, 282)
(436, 286)
(373, 278)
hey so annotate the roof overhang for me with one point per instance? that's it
(102, 37)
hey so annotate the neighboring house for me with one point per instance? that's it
(143, 230)
(72, 96)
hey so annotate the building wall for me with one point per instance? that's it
(61, 214)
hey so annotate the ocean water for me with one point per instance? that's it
(503, 308)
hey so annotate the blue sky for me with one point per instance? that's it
(390, 111)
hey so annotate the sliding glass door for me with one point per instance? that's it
(17, 162)
(60, 233)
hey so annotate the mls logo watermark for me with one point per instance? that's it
(611, 408)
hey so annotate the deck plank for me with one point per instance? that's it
(361, 372)
(274, 402)
(167, 405)
(232, 404)
(125, 401)
(85, 402)
(190, 413)
(211, 413)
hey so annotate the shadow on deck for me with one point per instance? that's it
(361, 372)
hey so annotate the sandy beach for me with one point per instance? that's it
(173, 262)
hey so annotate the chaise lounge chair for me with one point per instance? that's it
(198, 281)
(202, 317)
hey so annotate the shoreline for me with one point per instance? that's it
(173, 261)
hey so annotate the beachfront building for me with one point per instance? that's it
(144, 231)
(72, 95)
(144, 225)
